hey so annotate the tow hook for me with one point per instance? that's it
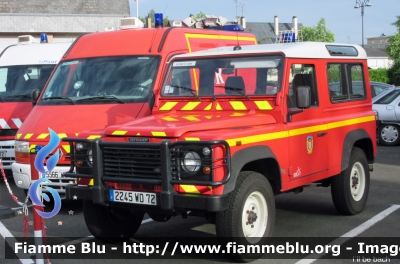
(371, 167)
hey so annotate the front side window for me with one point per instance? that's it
(102, 80)
(302, 75)
(250, 76)
(18, 82)
(346, 82)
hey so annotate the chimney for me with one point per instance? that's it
(243, 22)
(294, 25)
(276, 25)
(149, 22)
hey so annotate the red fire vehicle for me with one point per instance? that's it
(106, 78)
(233, 128)
(24, 67)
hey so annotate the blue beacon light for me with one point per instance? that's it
(43, 38)
(158, 20)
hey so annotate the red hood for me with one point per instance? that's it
(179, 123)
(12, 114)
(70, 120)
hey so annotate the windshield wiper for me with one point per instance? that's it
(58, 98)
(238, 90)
(187, 89)
(105, 97)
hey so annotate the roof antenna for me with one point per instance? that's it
(238, 44)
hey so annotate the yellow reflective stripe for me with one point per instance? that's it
(91, 183)
(189, 188)
(307, 130)
(32, 147)
(28, 136)
(208, 107)
(66, 148)
(299, 131)
(208, 117)
(91, 137)
(218, 107)
(207, 36)
(191, 118)
(159, 134)
(168, 118)
(138, 134)
(351, 122)
(42, 136)
(19, 135)
(76, 134)
(62, 135)
(263, 105)
(190, 106)
(258, 138)
(119, 132)
(238, 114)
(238, 105)
(168, 106)
(192, 139)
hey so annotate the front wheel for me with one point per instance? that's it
(350, 188)
(389, 135)
(110, 224)
(251, 210)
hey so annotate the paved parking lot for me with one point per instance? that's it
(308, 214)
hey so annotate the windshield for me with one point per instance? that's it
(225, 77)
(102, 80)
(18, 82)
(388, 98)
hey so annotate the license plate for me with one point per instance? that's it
(3, 154)
(54, 175)
(133, 197)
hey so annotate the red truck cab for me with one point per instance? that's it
(24, 67)
(106, 78)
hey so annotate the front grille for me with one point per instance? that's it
(132, 162)
(7, 147)
(8, 132)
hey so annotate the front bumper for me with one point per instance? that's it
(8, 154)
(179, 201)
(22, 177)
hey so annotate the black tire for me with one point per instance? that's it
(110, 224)
(252, 203)
(350, 188)
(389, 135)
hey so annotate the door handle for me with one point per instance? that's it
(322, 134)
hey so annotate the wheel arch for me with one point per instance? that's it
(357, 138)
(260, 159)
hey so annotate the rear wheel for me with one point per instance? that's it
(389, 135)
(350, 188)
(250, 215)
(110, 224)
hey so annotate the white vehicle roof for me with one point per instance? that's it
(33, 54)
(317, 50)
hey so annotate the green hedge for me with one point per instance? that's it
(379, 75)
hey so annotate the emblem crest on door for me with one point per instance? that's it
(310, 144)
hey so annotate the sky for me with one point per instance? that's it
(340, 15)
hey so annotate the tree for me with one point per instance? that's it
(318, 33)
(393, 50)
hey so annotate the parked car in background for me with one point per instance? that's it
(376, 87)
(387, 109)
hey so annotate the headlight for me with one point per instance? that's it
(191, 162)
(22, 146)
(90, 157)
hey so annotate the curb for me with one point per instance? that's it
(6, 212)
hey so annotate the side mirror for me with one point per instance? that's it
(151, 100)
(303, 97)
(34, 96)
